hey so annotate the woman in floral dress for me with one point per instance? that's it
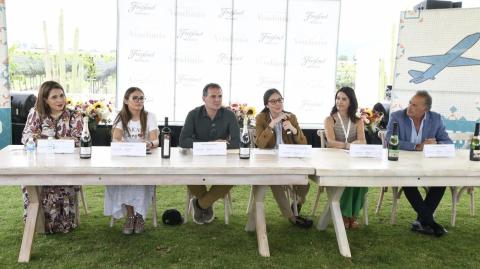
(50, 118)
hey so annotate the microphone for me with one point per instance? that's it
(289, 132)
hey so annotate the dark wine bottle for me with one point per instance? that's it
(475, 144)
(85, 141)
(394, 144)
(244, 152)
(166, 136)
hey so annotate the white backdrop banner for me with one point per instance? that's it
(173, 48)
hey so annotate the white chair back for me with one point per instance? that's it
(323, 138)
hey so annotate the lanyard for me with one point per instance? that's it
(347, 132)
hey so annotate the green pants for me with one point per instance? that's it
(352, 200)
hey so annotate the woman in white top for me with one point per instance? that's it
(132, 124)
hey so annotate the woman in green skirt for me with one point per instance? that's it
(343, 128)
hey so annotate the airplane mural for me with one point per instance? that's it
(450, 59)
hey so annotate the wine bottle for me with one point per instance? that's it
(244, 152)
(166, 136)
(393, 144)
(85, 141)
(475, 144)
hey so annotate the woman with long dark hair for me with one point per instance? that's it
(343, 128)
(276, 126)
(132, 124)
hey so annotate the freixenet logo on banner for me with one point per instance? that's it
(224, 58)
(312, 62)
(271, 38)
(141, 55)
(315, 17)
(186, 34)
(226, 13)
(141, 8)
(188, 80)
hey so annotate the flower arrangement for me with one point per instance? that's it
(371, 118)
(97, 110)
(242, 111)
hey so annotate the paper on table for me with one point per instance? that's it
(209, 148)
(291, 150)
(56, 146)
(439, 150)
(135, 149)
(369, 151)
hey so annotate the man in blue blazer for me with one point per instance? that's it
(417, 126)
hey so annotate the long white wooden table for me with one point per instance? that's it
(335, 170)
(260, 171)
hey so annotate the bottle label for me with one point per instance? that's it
(476, 154)
(166, 145)
(85, 151)
(393, 153)
(244, 151)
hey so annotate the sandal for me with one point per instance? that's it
(354, 223)
(129, 225)
(303, 222)
(139, 226)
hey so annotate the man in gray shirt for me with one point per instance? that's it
(208, 123)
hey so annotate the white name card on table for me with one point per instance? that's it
(439, 150)
(294, 151)
(134, 149)
(56, 146)
(209, 148)
(369, 151)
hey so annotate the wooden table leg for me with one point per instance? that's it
(250, 226)
(261, 227)
(333, 207)
(35, 219)
(256, 220)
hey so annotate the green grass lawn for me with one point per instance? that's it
(95, 245)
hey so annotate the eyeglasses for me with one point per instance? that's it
(276, 101)
(139, 98)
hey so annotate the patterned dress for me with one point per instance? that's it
(59, 202)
